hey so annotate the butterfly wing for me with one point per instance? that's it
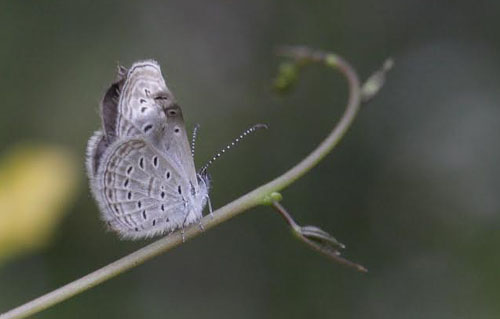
(96, 146)
(175, 142)
(147, 108)
(109, 112)
(109, 106)
(141, 192)
(139, 113)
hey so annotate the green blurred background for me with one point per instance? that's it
(412, 189)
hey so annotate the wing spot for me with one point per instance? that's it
(168, 175)
(148, 128)
(179, 189)
(129, 170)
(155, 161)
(142, 101)
(193, 190)
(177, 130)
(162, 207)
(136, 229)
(168, 220)
(126, 182)
(139, 204)
(141, 162)
(154, 222)
(143, 109)
(144, 215)
(129, 195)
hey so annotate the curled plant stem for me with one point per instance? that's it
(263, 195)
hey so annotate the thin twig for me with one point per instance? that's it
(259, 196)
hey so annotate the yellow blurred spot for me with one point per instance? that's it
(36, 183)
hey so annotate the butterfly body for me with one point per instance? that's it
(140, 166)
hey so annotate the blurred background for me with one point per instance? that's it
(412, 190)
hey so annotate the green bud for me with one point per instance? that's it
(287, 78)
(331, 60)
(270, 198)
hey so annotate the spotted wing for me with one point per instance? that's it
(139, 112)
(141, 193)
(175, 142)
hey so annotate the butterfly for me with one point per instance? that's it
(140, 165)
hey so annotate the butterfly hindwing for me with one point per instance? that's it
(142, 193)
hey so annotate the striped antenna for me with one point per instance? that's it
(231, 145)
(193, 138)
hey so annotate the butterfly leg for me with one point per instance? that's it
(200, 224)
(210, 210)
(182, 229)
(182, 234)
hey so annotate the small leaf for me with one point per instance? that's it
(319, 235)
(376, 81)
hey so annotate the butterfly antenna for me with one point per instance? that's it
(231, 145)
(193, 138)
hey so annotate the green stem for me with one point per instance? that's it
(254, 198)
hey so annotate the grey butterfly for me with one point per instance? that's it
(140, 165)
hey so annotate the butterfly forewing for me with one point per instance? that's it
(176, 143)
(139, 114)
